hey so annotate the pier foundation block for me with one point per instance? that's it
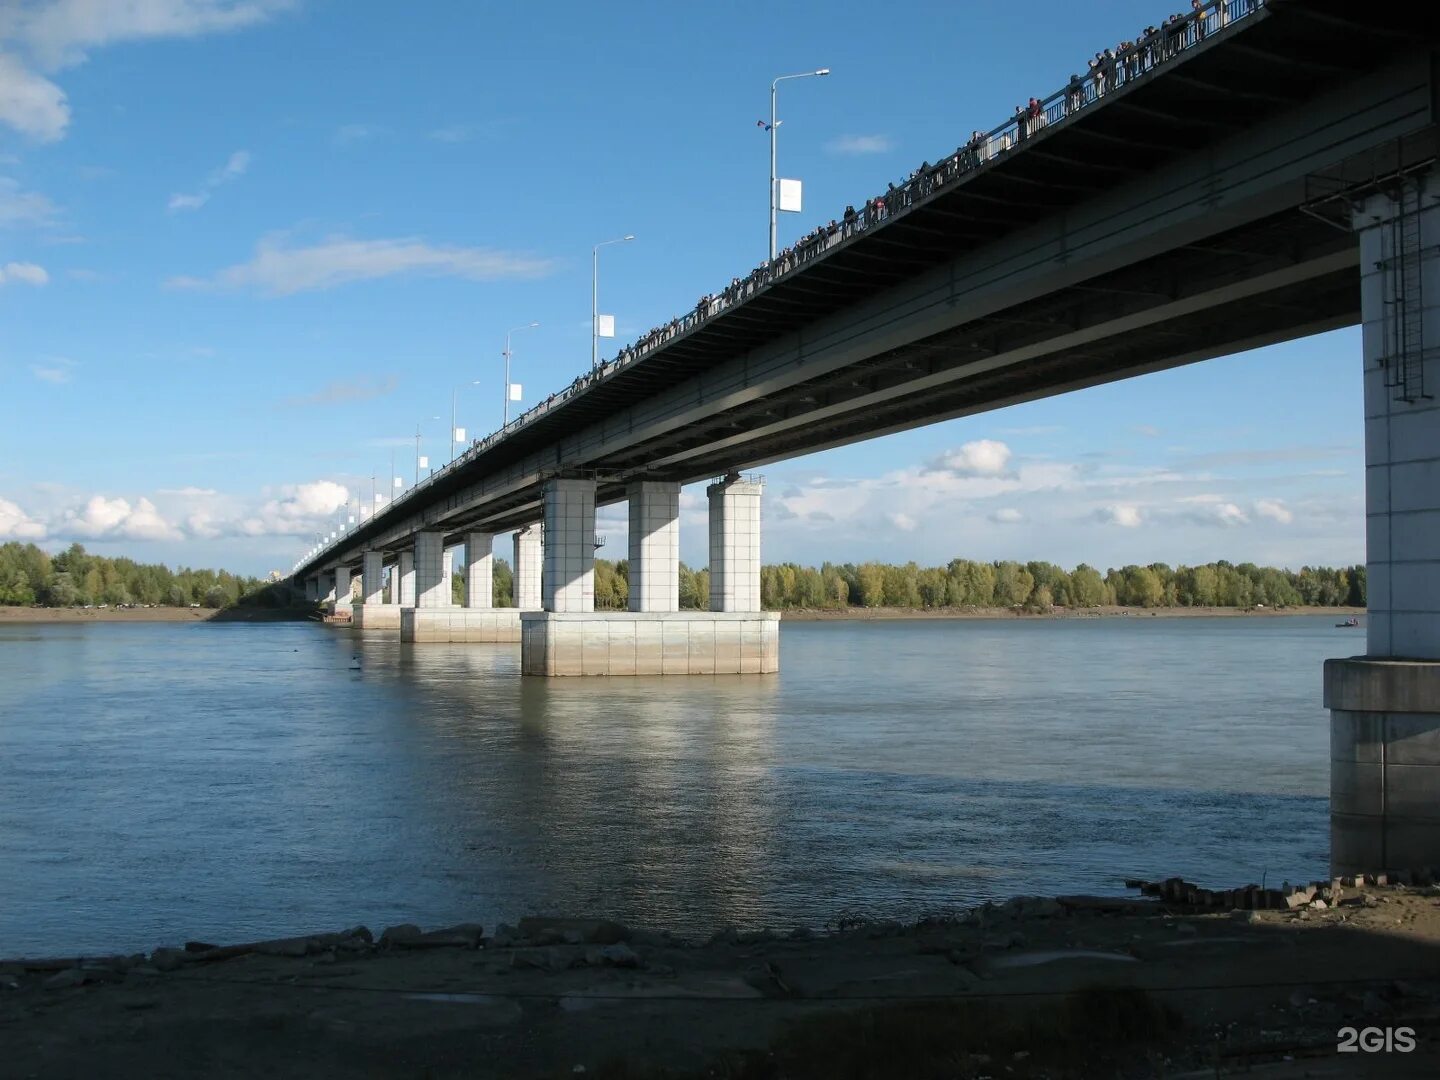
(650, 642)
(375, 617)
(1384, 764)
(476, 625)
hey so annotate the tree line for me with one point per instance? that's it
(1034, 586)
(30, 576)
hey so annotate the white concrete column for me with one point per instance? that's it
(405, 568)
(327, 588)
(569, 581)
(342, 587)
(431, 590)
(1385, 706)
(1400, 309)
(529, 559)
(654, 545)
(735, 545)
(479, 570)
(372, 577)
(312, 589)
(447, 571)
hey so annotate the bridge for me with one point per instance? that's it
(1256, 172)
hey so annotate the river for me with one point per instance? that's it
(161, 782)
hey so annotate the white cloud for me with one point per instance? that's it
(903, 522)
(854, 145)
(103, 518)
(23, 273)
(278, 270)
(1007, 515)
(238, 162)
(15, 524)
(1275, 510)
(45, 36)
(18, 207)
(1150, 431)
(54, 371)
(1211, 509)
(1126, 515)
(31, 103)
(297, 510)
(983, 457)
(174, 514)
(349, 134)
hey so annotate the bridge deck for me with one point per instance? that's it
(1275, 59)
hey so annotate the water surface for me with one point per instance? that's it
(224, 781)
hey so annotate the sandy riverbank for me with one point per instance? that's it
(1066, 987)
(154, 614)
(151, 615)
(1108, 612)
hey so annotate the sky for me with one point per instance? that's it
(248, 248)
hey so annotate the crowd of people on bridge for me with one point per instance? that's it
(1108, 70)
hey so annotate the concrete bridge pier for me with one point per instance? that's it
(312, 590)
(1385, 706)
(527, 567)
(343, 596)
(653, 637)
(435, 616)
(372, 613)
(480, 571)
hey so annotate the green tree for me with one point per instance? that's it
(1087, 588)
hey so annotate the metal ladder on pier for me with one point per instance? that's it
(1402, 276)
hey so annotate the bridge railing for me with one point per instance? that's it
(1106, 73)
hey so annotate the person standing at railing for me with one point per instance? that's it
(1198, 10)
(1174, 36)
(1036, 113)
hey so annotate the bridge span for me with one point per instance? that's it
(1261, 171)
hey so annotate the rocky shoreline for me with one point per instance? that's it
(1181, 978)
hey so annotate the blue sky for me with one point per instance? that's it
(247, 246)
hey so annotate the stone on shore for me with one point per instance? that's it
(546, 930)
(618, 955)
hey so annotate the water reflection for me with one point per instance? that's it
(163, 782)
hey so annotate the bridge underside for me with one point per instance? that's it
(1293, 276)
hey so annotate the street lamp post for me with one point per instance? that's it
(454, 437)
(774, 124)
(516, 330)
(595, 296)
(418, 457)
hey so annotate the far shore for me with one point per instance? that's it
(1105, 612)
(256, 614)
(148, 615)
